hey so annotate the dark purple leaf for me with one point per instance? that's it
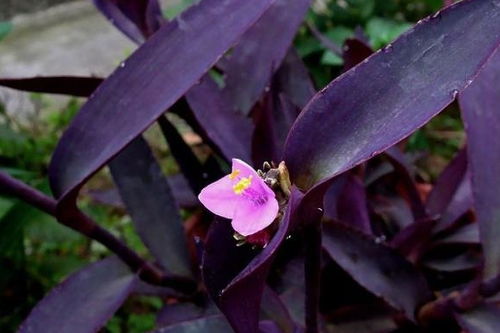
(151, 204)
(138, 19)
(65, 85)
(483, 319)
(232, 274)
(268, 326)
(479, 104)
(352, 207)
(224, 126)
(294, 80)
(292, 290)
(92, 294)
(274, 308)
(273, 118)
(405, 176)
(261, 51)
(447, 184)
(410, 81)
(188, 163)
(332, 195)
(354, 51)
(465, 261)
(415, 234)
(146, 84)
(209, 324)
(109, 197)
(377, 268)
(182, 193)
(179, 312)
(468, 234)
(461, 203)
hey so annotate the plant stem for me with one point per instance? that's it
(73, 218)
(312, 273)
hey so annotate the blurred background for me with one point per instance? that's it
(64, 37)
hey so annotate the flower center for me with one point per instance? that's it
(242, 184)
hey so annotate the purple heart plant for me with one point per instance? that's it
(332, 233)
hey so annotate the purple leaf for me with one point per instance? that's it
(261, 51)
(410, 81)
(273, 308)
(188, 163)
(232, 274)
(483, 319)
(405, 176)
(479, 105)
(294, 80)
(447, 184)
(152, 206)
(138, 19)
(146, 84)
(354, 51)
(274, 117)
(268, 326)
(226, 128)
(352, 207)
(461, 203)
(377, 268)
(468, 234)
(465, 261)
(209, 324)
(65, 85)
(93, 294)
(179, 312)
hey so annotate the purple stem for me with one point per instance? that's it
(76, 220)
(312, 268)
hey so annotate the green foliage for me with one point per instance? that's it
(5, 29)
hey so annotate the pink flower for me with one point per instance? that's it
(243, 197)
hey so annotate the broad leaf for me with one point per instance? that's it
(146, 84)
(479, 104)
(223, 125)
(261, 51)
(93, 294)
(138, 19)
(377, 268)
(151, 204)
(410, 81)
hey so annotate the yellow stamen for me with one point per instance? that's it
(242, 185)
(234, 174)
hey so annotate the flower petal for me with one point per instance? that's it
(251, 217)
(219, 198)
(244, 169)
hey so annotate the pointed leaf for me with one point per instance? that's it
(138, 19)
(479, 104)
(261, 51)
(151, 204)
(447, 184)
(227, 128)
(410, 81)
(93, 294)
(377, 268)
(132, 97)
